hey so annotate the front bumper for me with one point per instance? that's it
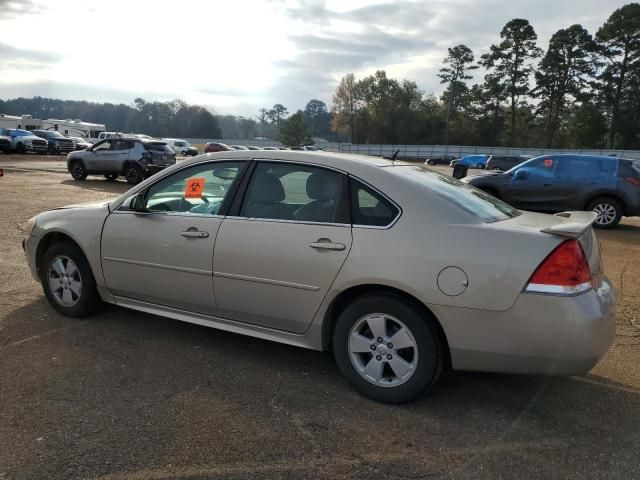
(30, 247)
(539, 334)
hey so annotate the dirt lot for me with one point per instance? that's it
(128, 396)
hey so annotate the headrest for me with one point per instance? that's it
(267, 188)
(321, 186)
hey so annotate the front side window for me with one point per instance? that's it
(102, 146)
(535, 168)
(200, 189)
(283, 191)
(369, 208)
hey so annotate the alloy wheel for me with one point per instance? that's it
(606, 213)
(77, 170)
(64, 281)
(383, 350)
(133, 175)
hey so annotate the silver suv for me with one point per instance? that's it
(134, 158)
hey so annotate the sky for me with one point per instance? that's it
(236, 56)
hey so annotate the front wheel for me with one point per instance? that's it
(77, 170)
(134, 174)
(609, 212)
(21, 149)
(387, 349)
(431, 162)
(67, 280)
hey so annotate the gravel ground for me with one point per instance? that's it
(128, 396)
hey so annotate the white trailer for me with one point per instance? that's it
(75, 128)
(23, 122)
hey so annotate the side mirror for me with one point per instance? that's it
(136, 203)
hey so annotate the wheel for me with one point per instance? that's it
(78, 172)
(387, 349)
(431, 162)
(479, 166)
(133, 173)
(21, 149)
(111, 177)
(67, 280)
(609, 212)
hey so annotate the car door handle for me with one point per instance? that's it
(327, 245)
(195, 234)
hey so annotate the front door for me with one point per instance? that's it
(533, 186)
(275, 261)
(165, 254)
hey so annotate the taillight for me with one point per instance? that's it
(634, 180)
(564, 272)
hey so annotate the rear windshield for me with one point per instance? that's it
(465, 197)
(157, 147)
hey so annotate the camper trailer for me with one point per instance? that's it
(23, 122)
(75, 128)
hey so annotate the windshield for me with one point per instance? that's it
(54, 134)
(465, 197)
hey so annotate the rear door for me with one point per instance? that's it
(276, 259)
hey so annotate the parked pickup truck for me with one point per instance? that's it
(57, 143)
(5, 144)
(23, 141)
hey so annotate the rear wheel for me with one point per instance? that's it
(386, 349)
(609, 212)
(111, 177)
(480, 166)
(133, 173)
(77, 170)
(431, 162)
(67, 280)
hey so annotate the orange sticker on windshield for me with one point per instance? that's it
(194, 188)
(548, 162)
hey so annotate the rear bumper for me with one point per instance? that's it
(539, 334)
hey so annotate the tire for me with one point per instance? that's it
(431, 162)
(67, 280)
(609, 212)
(479, 166)
(21, 149)
(424, 355)
(77, 170)
(133, 173)
(111, 177)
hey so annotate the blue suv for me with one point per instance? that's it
(608, 186)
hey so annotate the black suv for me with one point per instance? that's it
(57, 143)
(554, 183)
(505, 162)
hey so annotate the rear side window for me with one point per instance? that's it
(369, 208)
(582, 166)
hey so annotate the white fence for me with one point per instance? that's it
(425, 151)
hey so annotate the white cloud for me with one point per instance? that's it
(240, 55)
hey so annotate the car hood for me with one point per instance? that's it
(98, 203)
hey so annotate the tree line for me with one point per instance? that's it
(583, 92)
(159, 119)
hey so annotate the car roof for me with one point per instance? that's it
(330, 159)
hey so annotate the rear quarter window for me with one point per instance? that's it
(629, 168)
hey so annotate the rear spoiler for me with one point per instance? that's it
(578, 224)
